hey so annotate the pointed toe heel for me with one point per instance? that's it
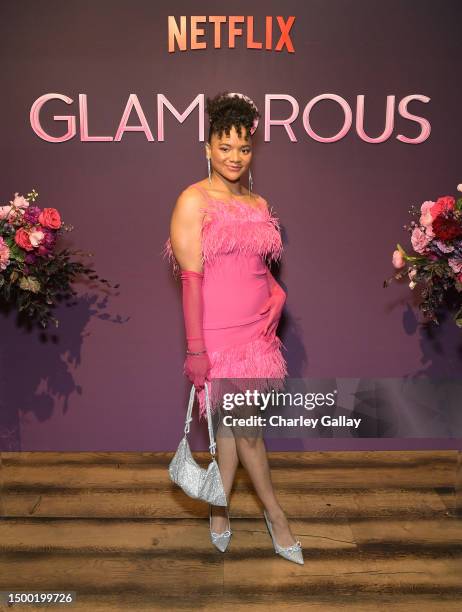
(291, 553)
(220, 540)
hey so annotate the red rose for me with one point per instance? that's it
(22, 239)
(442, 205)
(49, 217)
(446, 229)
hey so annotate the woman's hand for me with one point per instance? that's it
(197, 368)
(274, 306)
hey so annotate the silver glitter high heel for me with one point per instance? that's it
(291, 553)
(220, 540)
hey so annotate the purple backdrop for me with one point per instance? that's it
(111, 377)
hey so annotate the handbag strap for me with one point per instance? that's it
(212, 445)
(189, 412)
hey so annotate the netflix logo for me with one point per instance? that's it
(189, 33)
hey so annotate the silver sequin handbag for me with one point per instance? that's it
(186, 473)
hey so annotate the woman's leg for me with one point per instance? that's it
(227, 463)
(251, 451)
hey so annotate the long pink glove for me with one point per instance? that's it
(274, 305)
(196, 367)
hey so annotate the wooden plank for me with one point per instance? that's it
(81, 458)
(146, 476)
(423, 537)
(135, 601)
(327, 574)
(143, 536)
(443, 533)
(277, 459)
(139, 601)
(176, 504)
(104, 535)
(194, 576)
(204, 573)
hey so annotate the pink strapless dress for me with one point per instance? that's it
(238, 241)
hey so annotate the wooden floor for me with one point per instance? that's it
(380, 531)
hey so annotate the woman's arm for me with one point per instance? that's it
(274, 285)
(185, 230)
(185, 238)
(273, 306)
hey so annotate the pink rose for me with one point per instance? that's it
(419, 240)
(429, 231)
(49, 217)
(4, 254)
(18, 204)
(10, 213)
(398, 260)
(5, 211)
(19, 201)
(426, 218)
(22, 239)
(442, 205)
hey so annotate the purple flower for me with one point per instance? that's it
(456, 264)
(32, 214)
(445, 248)
(49, 239)
(30, 258)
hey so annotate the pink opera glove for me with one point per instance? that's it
(196, 367)
(274, 305)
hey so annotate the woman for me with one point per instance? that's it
(220, 236)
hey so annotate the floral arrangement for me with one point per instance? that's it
(33, 275)
(437, 266)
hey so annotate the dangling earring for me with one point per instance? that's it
(209, 169)
(250, 181)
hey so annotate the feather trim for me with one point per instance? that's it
(259, 361)
(250, 231)
(167, 253)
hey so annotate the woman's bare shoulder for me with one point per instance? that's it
(190, 200)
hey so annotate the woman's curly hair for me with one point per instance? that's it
(226, 111)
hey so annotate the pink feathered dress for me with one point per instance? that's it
(238, 240)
